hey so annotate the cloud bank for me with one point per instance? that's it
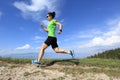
(36, 8)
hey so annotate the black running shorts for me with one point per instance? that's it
(51, 41)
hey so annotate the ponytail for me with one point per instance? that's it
(52, 14)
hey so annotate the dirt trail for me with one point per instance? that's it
(31, 72)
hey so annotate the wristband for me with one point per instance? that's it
(60, 30)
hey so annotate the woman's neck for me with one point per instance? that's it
(51, 20)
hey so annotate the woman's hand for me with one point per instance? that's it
(59, 32)
(42, 26)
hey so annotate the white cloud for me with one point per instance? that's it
(87, 34)
(36, 5)
(109, 38)
(36, 8)
(26, 46)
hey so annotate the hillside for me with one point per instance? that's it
(60, 69)
(108, 54)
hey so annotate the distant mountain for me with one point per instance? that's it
(108, 54)
(35, 55)
(22, 55)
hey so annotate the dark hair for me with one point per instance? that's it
(52, 14)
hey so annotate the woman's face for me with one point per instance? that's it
(49, 17)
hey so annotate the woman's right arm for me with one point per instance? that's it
(43, 27)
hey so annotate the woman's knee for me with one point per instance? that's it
(43, 47)
(56, 50)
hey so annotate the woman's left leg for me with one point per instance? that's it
(58, 50)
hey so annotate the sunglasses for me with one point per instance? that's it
(47, 16)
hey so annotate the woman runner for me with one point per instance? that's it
(52, 39)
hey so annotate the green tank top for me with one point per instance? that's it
(51, 28)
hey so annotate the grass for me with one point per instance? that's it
(111, 67)
(15, 60)
(112, 63)
(110, 72)
(100, 62)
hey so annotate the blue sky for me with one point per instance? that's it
(89, 26)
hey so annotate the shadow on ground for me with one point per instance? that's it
(64, 62)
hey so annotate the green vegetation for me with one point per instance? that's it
(82, 62)
(15, 60)
(109, 54)
(100, 62)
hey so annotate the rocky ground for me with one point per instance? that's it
(9, 71)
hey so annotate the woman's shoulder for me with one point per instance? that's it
(54, 21)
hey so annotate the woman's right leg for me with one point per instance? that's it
(43, 47)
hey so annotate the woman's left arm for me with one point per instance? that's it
(60, 27)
